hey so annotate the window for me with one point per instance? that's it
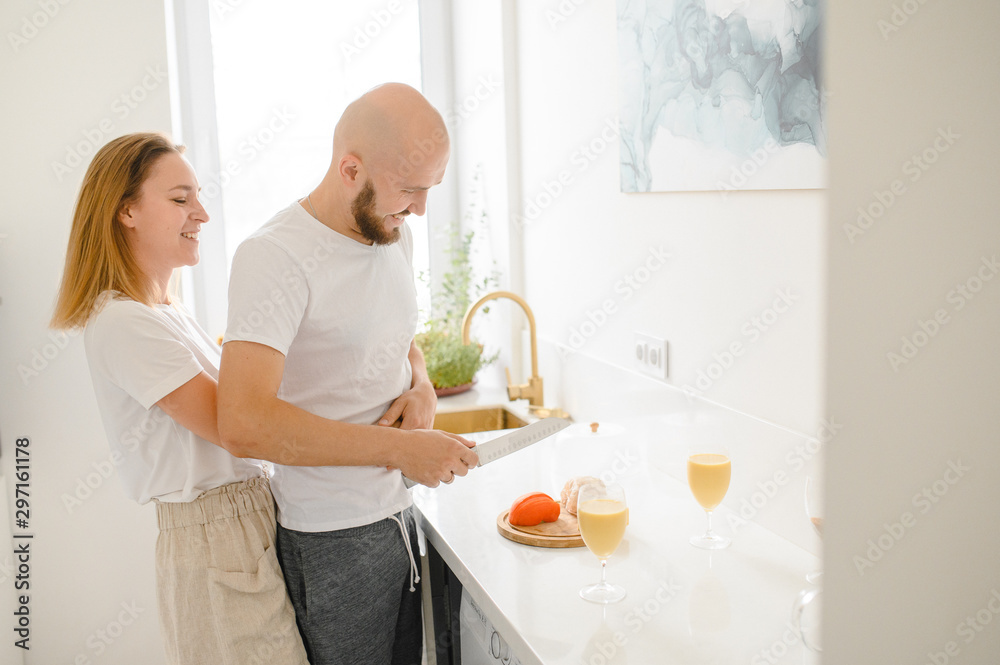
(259, 122)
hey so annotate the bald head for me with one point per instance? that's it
(389, 148)
(391, 126)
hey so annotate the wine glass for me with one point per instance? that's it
(807, 623)
(602, 514)
(814, 510)
(709, 471)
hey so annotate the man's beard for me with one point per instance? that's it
(371, 226)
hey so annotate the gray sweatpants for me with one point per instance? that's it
(351, 593)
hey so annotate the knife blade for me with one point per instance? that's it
(519, 439)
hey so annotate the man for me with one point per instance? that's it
(319, 348)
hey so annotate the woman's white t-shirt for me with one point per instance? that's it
(138, 355)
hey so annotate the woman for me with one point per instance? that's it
(220, 591)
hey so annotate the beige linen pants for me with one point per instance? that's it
(221, 594)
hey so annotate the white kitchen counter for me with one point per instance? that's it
(684, 605)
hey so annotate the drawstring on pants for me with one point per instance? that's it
(414, 573)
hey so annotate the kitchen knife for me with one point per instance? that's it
(521, 438)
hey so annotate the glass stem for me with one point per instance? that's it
(709, 533)
(604, 571)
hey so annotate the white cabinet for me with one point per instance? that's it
(482, 643)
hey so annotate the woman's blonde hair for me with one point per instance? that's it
(99, 257)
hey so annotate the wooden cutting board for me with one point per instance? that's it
(564, 532)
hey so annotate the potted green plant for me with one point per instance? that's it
(451, 365)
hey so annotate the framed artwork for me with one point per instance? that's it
(721, 95)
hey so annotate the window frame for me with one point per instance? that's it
(204, 287)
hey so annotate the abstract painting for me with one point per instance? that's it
(721, 95)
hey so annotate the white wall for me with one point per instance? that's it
(904, 572)
(63, 91)
(729, 255)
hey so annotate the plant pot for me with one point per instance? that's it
(453, 390)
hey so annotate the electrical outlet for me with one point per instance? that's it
(651, 355)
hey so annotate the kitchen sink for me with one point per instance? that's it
(483, 419)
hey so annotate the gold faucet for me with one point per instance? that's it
(532, 390)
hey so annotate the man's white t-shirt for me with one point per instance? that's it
(138, 355)
(343, 314)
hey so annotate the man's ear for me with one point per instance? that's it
(351, 170)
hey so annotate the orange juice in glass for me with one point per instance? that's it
(709, 471)
(602, 524)
(603, 515)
